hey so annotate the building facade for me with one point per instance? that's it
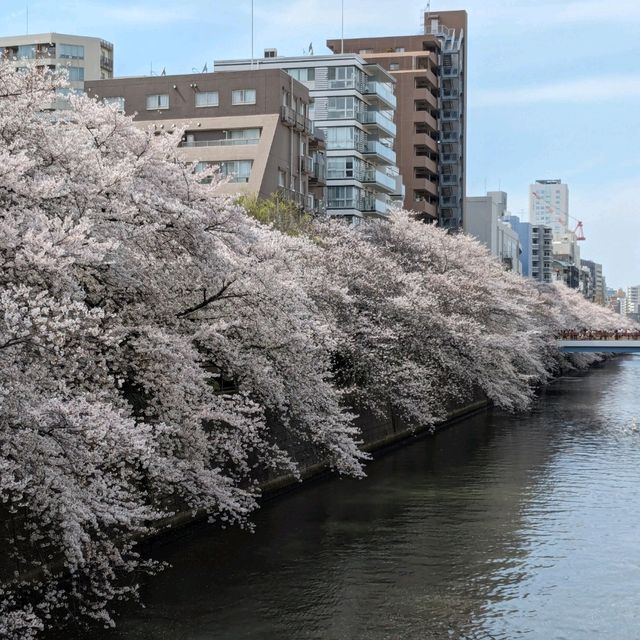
(599, 284)
(536, 245)
(549, 205)
(253, 124)
(632, 303)
(485, 221)
(83, 57)
(430, 73)
(353, 104)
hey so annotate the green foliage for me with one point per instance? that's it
(278, 211)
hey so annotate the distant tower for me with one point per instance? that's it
(549, 205)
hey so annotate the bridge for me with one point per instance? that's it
(599, 346)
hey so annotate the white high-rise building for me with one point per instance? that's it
(549, 205)
(354, 106)
(83, 57)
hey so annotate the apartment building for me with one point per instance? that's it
(549, 205)
(353, 104)
(83, 57)
(485, 221)
(599, 284)
(253, 124)
(536, 248)
(430, 74)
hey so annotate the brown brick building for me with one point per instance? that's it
(430, 144)
(253, 124)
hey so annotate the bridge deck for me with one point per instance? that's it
(599, 346)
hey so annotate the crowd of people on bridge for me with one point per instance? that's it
(588, 334)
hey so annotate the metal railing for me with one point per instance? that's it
(227, 142)
(379, 149)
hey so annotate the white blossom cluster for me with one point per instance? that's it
(130, 290)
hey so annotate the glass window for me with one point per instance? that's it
(76, 74)
(117, 102)
(344, 138)
(207, 99)
(341, 77)
(27, 51)
(243, 134)
(399, 49)
(303, 75)
(282, 179)
(158, 101)
(243, 96)
(340, 167)
(342, 107)
(237, 170)
(72, 51)
(394, 66)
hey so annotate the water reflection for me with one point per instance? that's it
(501, 527)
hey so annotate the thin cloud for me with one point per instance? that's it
(586, 90)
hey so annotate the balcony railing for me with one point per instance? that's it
(374, 176)
(230, 142)
(449, 158)
(449, 114)
(377, 118)
(381, 91)
(382, 151)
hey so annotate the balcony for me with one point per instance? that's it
(449, 158)
(449, 180)
(450, 72)
(382, 92)
(227, 142)
(450, 136)
(379, 179)
(291, 118)
(449, 115)
(381, 151)
(379, 120)
(375, 205)
(449, 201)
(106, 63)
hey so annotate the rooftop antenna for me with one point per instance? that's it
(342, 38)
(426, 15)
(252, 34)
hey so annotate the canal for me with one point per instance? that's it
(501, 526)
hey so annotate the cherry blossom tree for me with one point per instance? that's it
(130, 291)
(162, 352)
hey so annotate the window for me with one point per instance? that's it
(26, 51)
(71, 51)
(340, 167)
(237, 170)
(282, 179)
(76, 74)
(342, 77)
(399, 49)
(159, 101)
(342, 137)
(243, 96)
(343, 197)
(394, 66)
(342, 107)
(117, 102)
(250, 135)
(303, 75)
(365, 51)
(207, 99)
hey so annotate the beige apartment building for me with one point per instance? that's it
(253, 124)
(84, 58)
(430, 143)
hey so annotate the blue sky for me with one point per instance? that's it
(554, 85)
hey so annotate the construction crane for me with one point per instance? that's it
(579, 230)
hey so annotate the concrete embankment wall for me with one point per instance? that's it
(377, 434)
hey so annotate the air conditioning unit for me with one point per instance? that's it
(270, 53)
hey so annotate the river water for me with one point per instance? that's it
(502, 526)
